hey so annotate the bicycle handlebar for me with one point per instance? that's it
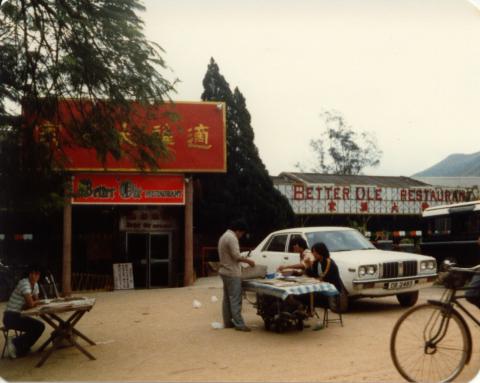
(472, 270)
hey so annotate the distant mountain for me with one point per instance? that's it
(455, 165)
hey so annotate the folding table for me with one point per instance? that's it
(63, 329)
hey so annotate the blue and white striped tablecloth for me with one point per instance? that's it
(283, 292)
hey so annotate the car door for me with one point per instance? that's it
(275, 253)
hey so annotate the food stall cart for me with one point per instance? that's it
(274, 305)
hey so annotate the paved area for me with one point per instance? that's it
(158, 335)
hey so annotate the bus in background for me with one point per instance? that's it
(452, 232)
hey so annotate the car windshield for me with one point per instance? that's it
(340, 240)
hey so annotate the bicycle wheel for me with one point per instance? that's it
(428, 346)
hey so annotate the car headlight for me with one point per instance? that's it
(367, 270)
(428, 265)
(362, 270)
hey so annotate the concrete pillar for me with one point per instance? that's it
(188, 270)
(67, 249)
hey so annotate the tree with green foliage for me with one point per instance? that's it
(341, 150)
(57, 49)
(246, 190)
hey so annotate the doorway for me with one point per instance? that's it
(150, 255)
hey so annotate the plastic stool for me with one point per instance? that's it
(327, 320)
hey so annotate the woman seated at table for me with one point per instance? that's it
(24, 296)
(324, 267)
(299, 245)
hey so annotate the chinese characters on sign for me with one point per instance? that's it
(363, 199)
(198, 137)
(165, 132)
(49, 135)
(147, 219)
(195, 137)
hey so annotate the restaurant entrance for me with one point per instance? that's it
(150, 255)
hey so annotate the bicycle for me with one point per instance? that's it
(432, 342)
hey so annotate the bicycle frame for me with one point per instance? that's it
(431, 341)
(449, 305)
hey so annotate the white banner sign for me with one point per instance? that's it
(122, 276)
(364, 199)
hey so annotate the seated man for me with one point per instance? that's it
(299, 245)
(24, 296)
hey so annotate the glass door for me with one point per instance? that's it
(137, 253)
(150, 254)
(160, 259)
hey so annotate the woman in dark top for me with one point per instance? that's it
(329, 269)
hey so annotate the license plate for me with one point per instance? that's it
(400, 285)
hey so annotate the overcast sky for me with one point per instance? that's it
(408, 71)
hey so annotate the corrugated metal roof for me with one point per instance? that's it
(451, 181)
(282, 179)
(318, 178)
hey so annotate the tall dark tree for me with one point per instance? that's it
(56, 49)
(246, 190)
(341, 150)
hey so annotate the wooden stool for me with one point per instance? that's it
(327, 320)
(5, 332)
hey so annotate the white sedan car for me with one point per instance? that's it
(365, 270)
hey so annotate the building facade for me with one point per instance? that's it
(118, 213)
(373, 203)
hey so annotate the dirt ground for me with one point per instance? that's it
(157, 335)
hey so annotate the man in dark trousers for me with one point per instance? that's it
(230, 272)
(24, 296)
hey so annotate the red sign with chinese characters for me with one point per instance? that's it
(194, 134)
(128, 189)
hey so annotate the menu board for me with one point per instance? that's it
(123, 276)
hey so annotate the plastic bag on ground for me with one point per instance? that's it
(217, 325)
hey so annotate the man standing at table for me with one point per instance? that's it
(24, 296)
(230, 272)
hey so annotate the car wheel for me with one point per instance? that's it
(339, 304)
(407, 299)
